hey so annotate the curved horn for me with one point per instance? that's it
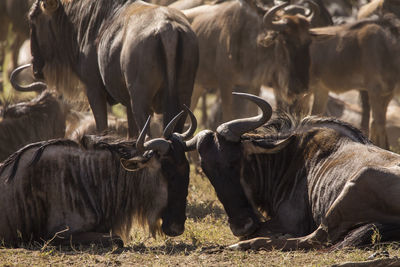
(139, 143)
(296, 9)
(268, 19)
(36, 86)
(232, 130)
(158, 144)
(169, 129)
(193, 125)
(315, 10)
(50, 5)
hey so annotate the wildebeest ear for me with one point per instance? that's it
(263, 146)
(49, 6)
(134, 164)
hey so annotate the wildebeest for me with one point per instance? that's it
(93, 191)
(39, 119)
(321, 20)
(13, 13)
(241, 45)
(379, 7)
(364, 55)
(82, 123)
(141, 55)
(316, 180)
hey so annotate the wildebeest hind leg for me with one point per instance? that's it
(379, 104)
(133, 130)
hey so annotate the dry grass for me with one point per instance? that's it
(202, 244)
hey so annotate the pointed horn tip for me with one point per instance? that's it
(142, 136)
(171, 125)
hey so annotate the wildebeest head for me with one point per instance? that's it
(53, 45)
(41, 34)
(169, 151)
(292, 55)
(221, 158)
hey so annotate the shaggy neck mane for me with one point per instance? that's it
(283, 125)
(75, 25)
(125, 196)
(272, 182)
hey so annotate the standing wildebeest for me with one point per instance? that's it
(141, 55)
(316, 180)
(82, 192)
(241, 45)
(41, 118)
(364, 55)
(13, 12)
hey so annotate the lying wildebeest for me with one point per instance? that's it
(82, 123)
(316, 180)
(364, 55)
(241, 45)
(81, 192)
(141, 55)
(39, 119)
(13, 13)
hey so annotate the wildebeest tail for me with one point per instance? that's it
(171, 105)
(370, 234)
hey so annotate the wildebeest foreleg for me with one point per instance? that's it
(271, 229)
(315, 240)
(88, 238)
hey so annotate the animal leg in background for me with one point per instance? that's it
(320, 100)
(366, 110)
(379, 104)
(226, 101)
(98, 103)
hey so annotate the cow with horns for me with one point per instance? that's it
(319, 180)
(92, 191)
(122, 51)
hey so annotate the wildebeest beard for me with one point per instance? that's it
(56, 64)
(292, 79)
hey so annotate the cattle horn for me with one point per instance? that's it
(233, 130)
(50, 5)
(36, 86)
(268, 19)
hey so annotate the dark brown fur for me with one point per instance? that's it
(51, 186)
(130, 52)
(42, 118)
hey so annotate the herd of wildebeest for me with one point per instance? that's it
(288, 179)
